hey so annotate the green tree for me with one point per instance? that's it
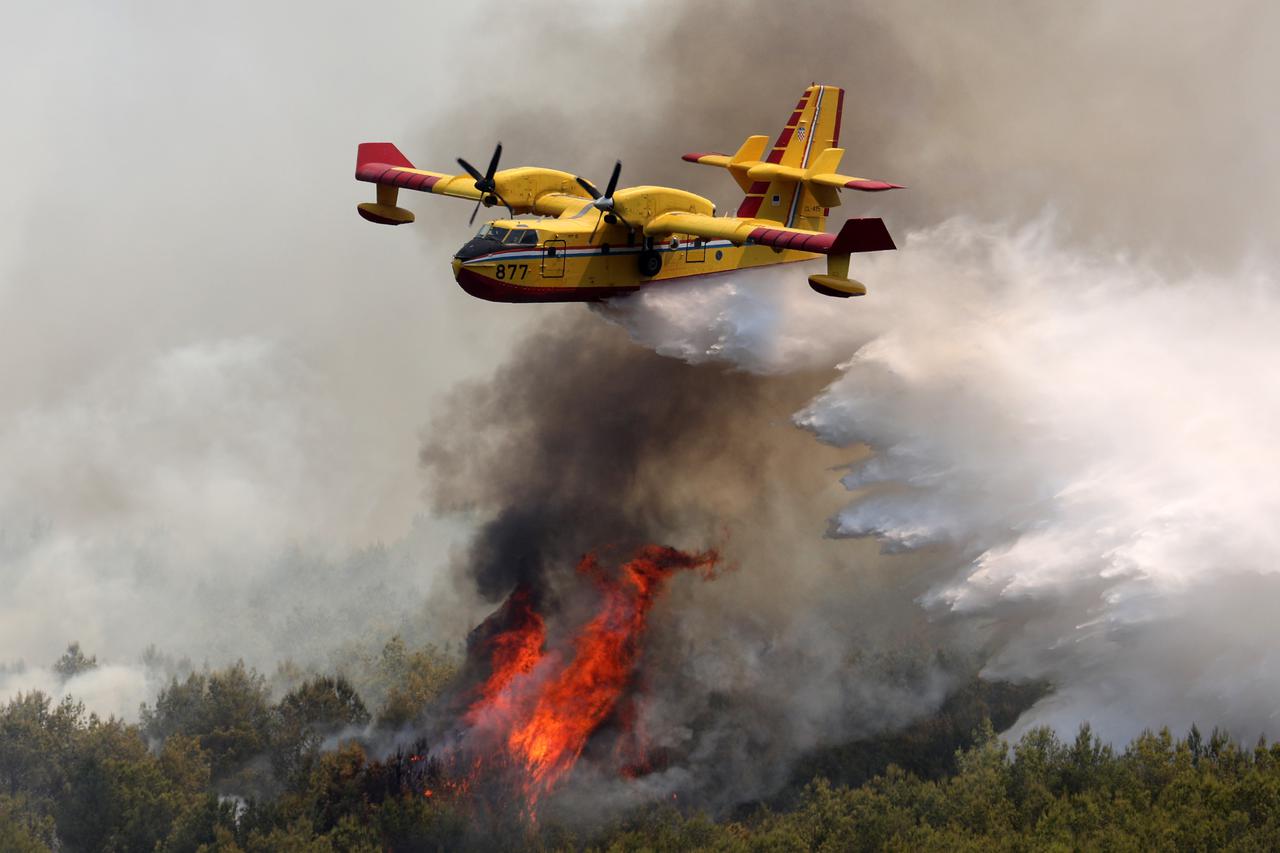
(228, 711)
(412, 681)
(73, 662)
(36, 740)
(304, 718)
(115, 797)
(23, 829)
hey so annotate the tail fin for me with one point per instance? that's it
(814, 127)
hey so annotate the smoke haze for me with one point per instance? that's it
(1057, 396)
(213, 377)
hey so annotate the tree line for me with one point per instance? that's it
(217, 764)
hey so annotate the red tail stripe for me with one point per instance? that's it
(873, 186)
(750, 206)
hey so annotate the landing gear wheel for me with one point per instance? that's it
(650, 262)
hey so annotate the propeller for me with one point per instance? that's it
(604, 202)
(485, 183)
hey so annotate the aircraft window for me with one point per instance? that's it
(524, 237)
(498, 234)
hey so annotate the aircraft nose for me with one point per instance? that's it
(476, 247)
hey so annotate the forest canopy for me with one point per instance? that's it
(217, 763)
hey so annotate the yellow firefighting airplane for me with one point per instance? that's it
(592, 245)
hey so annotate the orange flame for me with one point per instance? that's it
(512, 652)
(544, 708)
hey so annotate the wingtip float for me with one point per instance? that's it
(589, 245)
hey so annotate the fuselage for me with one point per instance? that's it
(581, 257)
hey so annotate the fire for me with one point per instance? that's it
(538, 708)
(512, 652)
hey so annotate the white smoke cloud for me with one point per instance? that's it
(214, 372)
(112, 690)
(1095, 439)
(202, 499)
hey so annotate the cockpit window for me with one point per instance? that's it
(509, 236)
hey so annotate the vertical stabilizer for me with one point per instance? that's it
(814, 127)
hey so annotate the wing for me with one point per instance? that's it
(546, 192)
(857, 235)
(382, 163)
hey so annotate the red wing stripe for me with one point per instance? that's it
(422, 182)
(863, 235)
(798, 240)
(381, 173)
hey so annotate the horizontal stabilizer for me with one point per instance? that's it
(707, 159)
(747, 156)
(820, 177)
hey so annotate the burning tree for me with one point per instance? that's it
(526, 723)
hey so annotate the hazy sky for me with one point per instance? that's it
(182, 175)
